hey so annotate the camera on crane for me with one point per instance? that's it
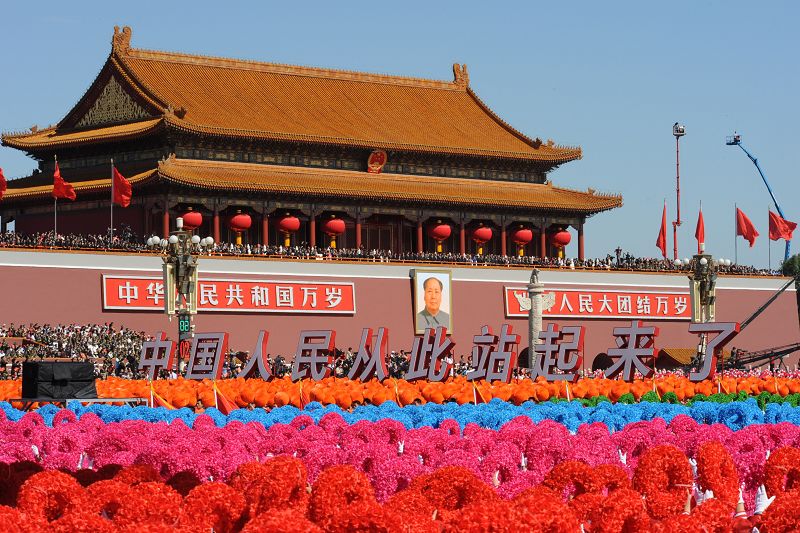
(678, 130)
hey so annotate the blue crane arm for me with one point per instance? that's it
(763, 177)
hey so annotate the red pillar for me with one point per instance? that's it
(313, 224)
(542, 243)
(165, 222)
(216, 225)
(503, 240)
(265, 229)
(419, 236)
(462, 239)
(580, 243)
(358, 232)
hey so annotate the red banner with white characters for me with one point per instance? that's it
(131, 293)
(599, 304)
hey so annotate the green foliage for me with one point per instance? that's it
(791, 267)
(627, 398)
(651, 397)
(670, 397)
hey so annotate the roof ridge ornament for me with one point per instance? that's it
(121, 41)
(460, 75)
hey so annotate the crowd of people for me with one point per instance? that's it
(126, 240)
(113, 350)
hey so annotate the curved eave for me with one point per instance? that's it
(556, 157)
(51, 138)
(325, 183)
(81, 187)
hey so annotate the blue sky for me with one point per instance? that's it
(611, 77)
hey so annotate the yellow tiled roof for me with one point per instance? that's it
(345, 184)
(249, 99)
(51, 137)
(320, 182)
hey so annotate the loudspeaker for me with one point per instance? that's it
(43, 379)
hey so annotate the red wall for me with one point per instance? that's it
(74, 295)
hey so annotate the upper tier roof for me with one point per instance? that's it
(236, 98)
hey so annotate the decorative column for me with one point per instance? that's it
(542, 242)
(165, 222)
(312, 222)
(535, 290)
(358, 231)
(419, 236)
(503, 239)
(580, 242)
(216, 224)
(265, 229)
(462, 238)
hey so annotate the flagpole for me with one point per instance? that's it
(735, 240)
(55, 208)
(111, 240)
(769, 246)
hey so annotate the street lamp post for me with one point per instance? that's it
(702, 291)
(180, 253)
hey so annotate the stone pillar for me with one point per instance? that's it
(215, 225)
(462, 239)
(419, 236)
(580, 242)
(312, 222)
(165, 222)
(503, 240)
(535, 290)
(542, 242)
(265, 229)
(358, 231)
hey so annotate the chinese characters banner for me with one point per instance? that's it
(247, 296)
(576, 303)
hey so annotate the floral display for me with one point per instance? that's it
(278, 495)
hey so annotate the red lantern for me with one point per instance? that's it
(289, 224)
(482, 234)
(333, 227)
(192, 220)
(560, 239)
(522, 236)
(240, 222)
(439, 232)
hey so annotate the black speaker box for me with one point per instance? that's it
(44, 379)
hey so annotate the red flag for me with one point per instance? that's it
(700, 232)
(779, 228)
(3, 184)
(745, 228)
(224, 405)
(122, 189)
(661, 242)
(61, 188)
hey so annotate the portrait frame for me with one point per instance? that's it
(445, 277)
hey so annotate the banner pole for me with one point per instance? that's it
(55, 206)
(735, 240)
(769, 247)
(111, 232)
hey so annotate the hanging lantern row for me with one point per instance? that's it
(481, 235)
(287, 225)
(439, 232)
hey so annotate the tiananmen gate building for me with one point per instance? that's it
(276, 153)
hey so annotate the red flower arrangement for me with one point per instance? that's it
(107, 496)
(149, 503)
(337, 492)
(214, 506)
(782, 473)
(664, 477)
(783, 515)
(716, 471)
(281, 521)
(571, 478)
(50, 495)
(452, 488)
(281, 483)
(623, 512)
(541, 509)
